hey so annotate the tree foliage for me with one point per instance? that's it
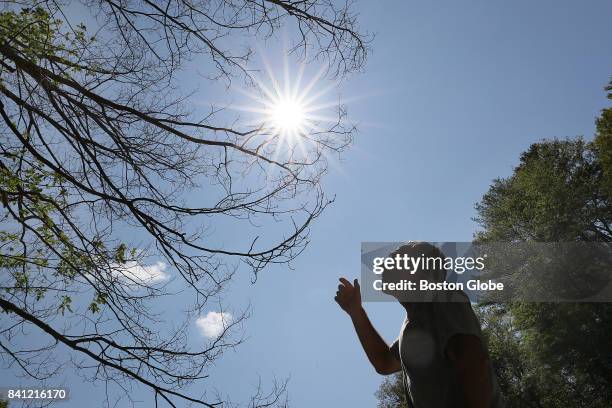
(603, 142)
(553, 355)
(391, 393)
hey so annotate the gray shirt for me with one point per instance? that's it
(429, 377)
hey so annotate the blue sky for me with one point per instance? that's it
(451, 95)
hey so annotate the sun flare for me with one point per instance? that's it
(287, 109)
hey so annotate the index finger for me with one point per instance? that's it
(346, 283)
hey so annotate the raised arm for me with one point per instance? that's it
(348, 297)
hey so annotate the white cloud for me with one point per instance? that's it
(213, 323)
(132, 272)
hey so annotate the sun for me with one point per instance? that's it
(287, 114)
(289, 111)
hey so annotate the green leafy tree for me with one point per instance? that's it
(557, 354)
(524, 381)
(391, 393)
(603, 142)
(105, 166)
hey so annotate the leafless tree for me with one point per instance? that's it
(101, 158)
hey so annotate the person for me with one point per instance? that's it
(440, 349)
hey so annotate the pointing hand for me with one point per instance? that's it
(348, 296)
